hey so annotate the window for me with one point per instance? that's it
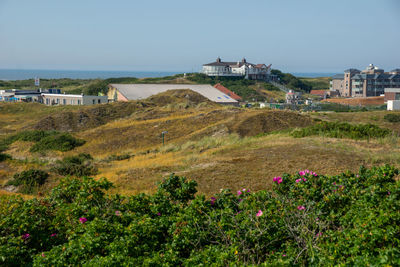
(64, 101)
(58, 101)
(397, 96)
(94, 101)
(47, 101)
(79, 102)
(98, 101)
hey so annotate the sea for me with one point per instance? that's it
(20, 74)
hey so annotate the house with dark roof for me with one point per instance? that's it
(237, 69)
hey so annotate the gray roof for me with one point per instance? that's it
(392, 90)
(338, 77)
(376, 76)
(395, 70)
(142, 91)
(352, 70)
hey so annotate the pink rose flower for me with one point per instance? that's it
(301, 208)
(82, 219)
(259, 213)
(25, 236)
(298, 180)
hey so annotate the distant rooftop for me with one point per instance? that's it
(338, 77)
(352, 70)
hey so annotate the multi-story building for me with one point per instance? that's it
(370, 82)
(238, 69)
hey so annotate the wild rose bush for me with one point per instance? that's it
(306, 219)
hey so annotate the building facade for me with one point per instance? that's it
(65, 99)
(237, 69)
(370, 82)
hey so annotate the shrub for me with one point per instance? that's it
(349, 219)
(29, 180)
(4, 157)
(342, 130)
(114, 157)
(392, 117)
(29, 136)
(61, 142)
(80, 165)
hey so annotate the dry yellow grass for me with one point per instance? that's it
(204, 144)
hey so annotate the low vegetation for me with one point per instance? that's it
(307, 219)
(28, 181)
(43, 140)
(292, 81)
(4, 156)
(342, 130)
(80, 165)
(320, 83)
(59, 142)
(392, 117)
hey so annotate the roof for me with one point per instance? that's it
(236, 64)
(363, 76)
(352, 70)
(142, 91)
(395, 70)
(226, 91)
(392, 90)
(318, 92)
(338, 77)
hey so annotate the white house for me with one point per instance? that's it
(237, 69)
(66, 99)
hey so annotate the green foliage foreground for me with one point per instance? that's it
(307, 219)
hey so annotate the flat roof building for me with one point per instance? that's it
(126, 92)
(66, 99)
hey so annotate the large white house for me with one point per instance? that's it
(238, 69)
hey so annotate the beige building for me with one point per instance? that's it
(369, 82)
(65, 99)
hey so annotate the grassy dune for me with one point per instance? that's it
(219, 147)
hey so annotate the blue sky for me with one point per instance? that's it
(177, 35)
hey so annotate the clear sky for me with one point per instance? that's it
(181, 35)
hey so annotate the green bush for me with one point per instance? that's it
(61, 142)
(114, 157)
(29, 180)
(80, 165)
(342, 130)
(392, 117)
(29, 136)
(350, 219)
(4, 157)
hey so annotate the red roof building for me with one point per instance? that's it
(228, 92)
(321, 93)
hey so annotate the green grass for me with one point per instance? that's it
(320, 83)
(60, 142)
(342, 130)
